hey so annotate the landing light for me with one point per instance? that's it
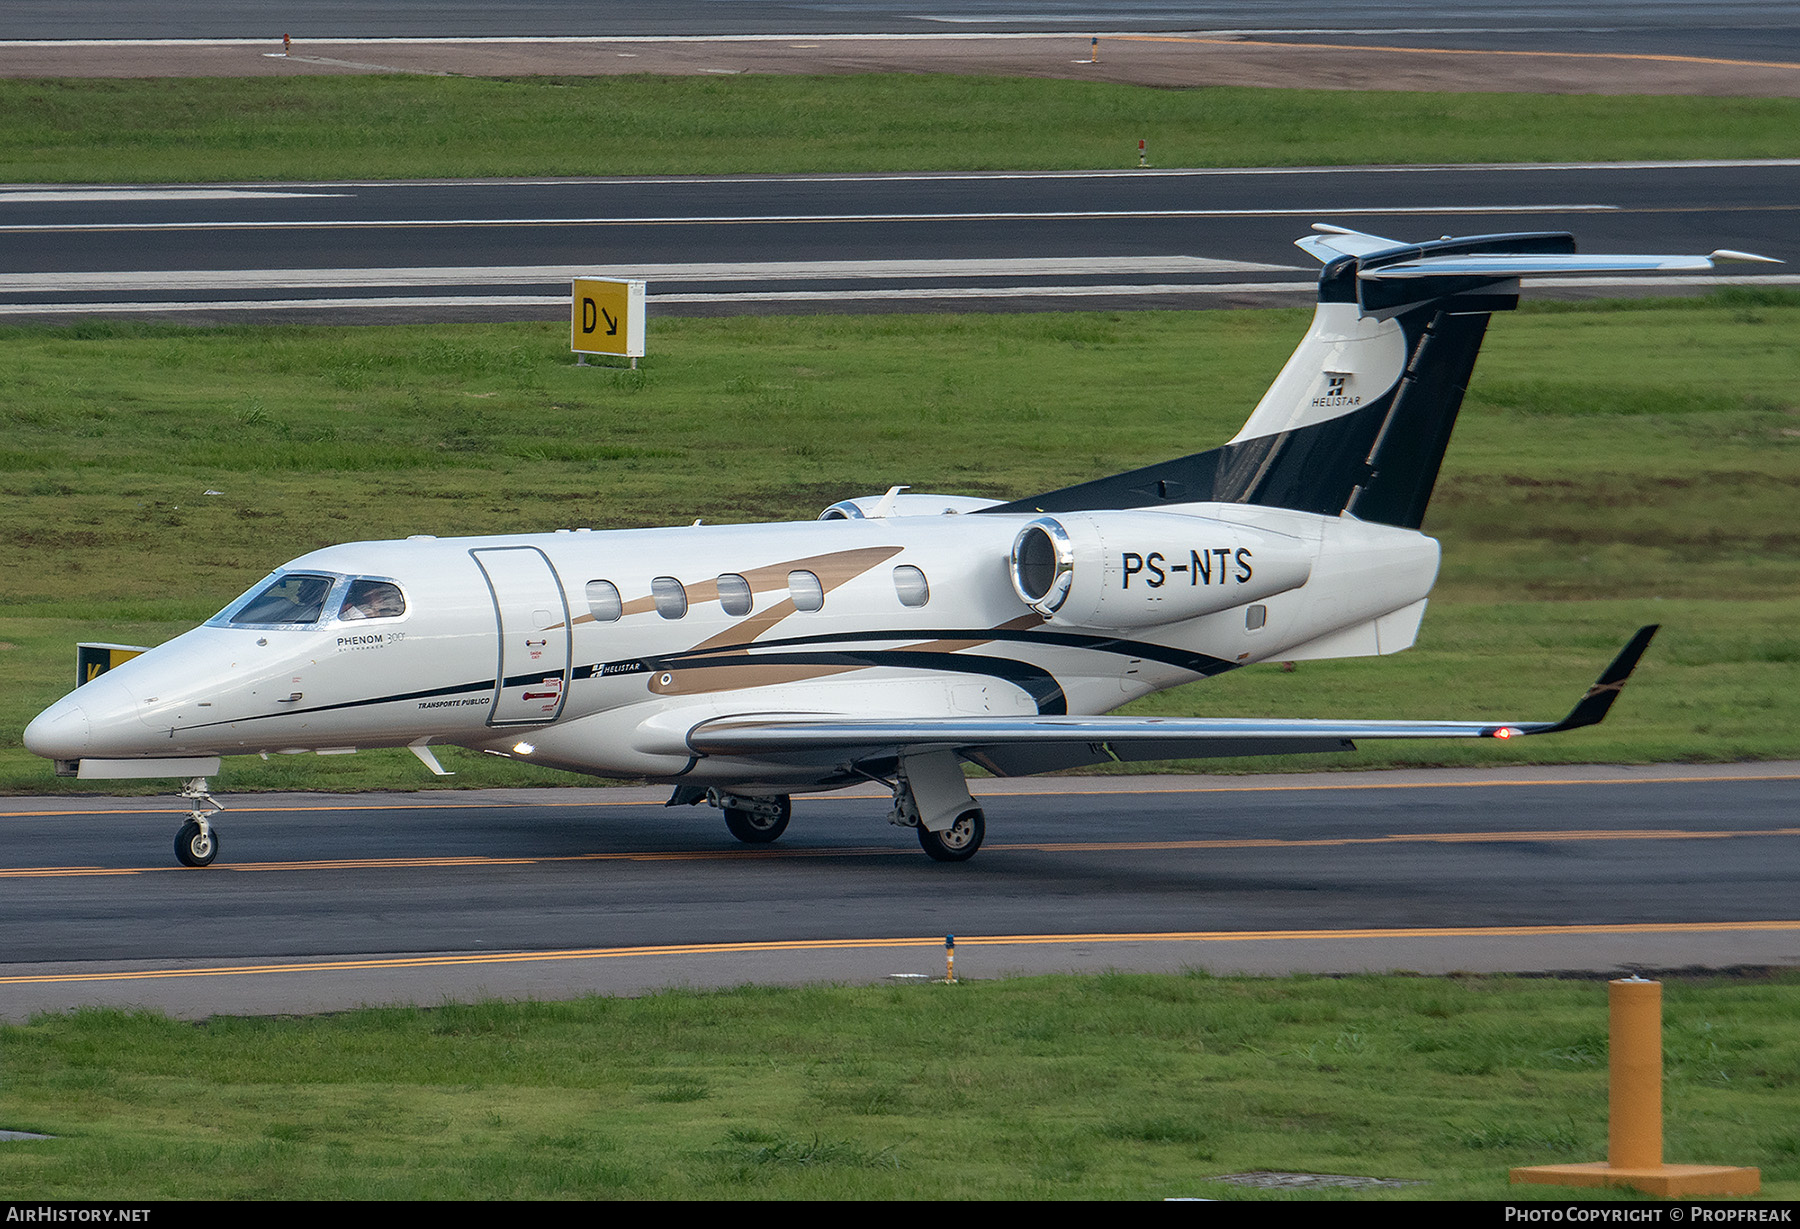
(523, 748)
(1505, 732)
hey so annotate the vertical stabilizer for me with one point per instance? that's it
(1359, 418)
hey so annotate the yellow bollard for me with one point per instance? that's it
(1634, 1141)
(1634, 1125)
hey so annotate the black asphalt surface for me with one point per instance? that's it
(89, 886)
(1741, 30)
(88, 882)
(598, 226)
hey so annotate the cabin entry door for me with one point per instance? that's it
(531, 679)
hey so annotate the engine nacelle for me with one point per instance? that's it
(894, 504)
(1137, 569)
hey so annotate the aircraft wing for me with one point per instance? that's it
(1017, 745)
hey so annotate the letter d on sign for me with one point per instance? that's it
(589, 317)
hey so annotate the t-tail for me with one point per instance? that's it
(1359, 418)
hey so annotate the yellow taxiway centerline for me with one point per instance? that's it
(784, 854)
(803, 945)
(990, 788)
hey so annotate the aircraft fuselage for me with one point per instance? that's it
(575, 649)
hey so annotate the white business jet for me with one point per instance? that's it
(896, 636)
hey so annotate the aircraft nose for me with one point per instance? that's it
(60, 732)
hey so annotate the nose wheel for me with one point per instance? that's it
(196, 844)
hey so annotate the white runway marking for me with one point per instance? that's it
(514, 275)
(65, 196)
(1135, 172)
(933, 36)
(808, 219)
(558, 304)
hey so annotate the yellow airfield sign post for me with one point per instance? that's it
(92, 660)
(606, 317)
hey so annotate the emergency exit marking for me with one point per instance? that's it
(606, 317)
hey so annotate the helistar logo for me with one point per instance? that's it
(1336, 394)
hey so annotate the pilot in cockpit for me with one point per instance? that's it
(372, 599)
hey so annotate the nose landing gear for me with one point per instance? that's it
(196, 844)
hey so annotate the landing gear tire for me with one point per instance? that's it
(194, 847)
(959, 841)
(754, 828)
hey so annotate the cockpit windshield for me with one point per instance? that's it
(294, 599)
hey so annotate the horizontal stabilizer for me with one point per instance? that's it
(1547, 264)
(1524, 265)
(1335, 241)
(1412, 260)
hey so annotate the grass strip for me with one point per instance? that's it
(1115, 1086)
(164, 130)
(1613, 466)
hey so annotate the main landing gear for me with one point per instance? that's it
(754, 821)
(959, 841)
(196, 844)
(929, 794)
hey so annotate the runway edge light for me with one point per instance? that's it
(1634, 1140)
(606, 317)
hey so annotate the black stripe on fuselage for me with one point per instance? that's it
(1035, 681)
(399, 697)
(1197, 663)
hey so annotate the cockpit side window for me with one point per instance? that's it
(372, 599)
(292, 599)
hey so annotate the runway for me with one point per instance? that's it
(487, 250)
(323, 903)
(1765, 29)
(328, 902)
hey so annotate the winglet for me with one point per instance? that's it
(1591, 709)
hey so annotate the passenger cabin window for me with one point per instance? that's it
(604, 602)
(296, 599)
(910, 586)
(372, 599)
(670, 597)
(806, 591)
(734, 594)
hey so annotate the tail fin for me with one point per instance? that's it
(1359, 418)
